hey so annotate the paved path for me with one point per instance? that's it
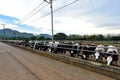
(18, 64)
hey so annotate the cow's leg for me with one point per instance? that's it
(49, 50)
(109, 60)
(115, 59)
(97, 56)
(84, 56)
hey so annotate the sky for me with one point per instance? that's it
(69, 17)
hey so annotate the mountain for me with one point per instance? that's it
(46, 35)
(13, 33)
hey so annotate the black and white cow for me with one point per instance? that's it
(112, 55)
(53, 47)
(76, 49)
(63, 47)
(88, 50)
(72, 48)
(41, 45)
(99, 53)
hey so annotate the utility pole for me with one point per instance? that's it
(51, 6)
(4, 31)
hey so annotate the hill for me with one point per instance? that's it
(14, 33)
(46, 35)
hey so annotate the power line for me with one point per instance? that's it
(66, 5)
(31, 13)
(60, 8)
(54, 11)
(35, 12)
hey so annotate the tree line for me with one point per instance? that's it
(94, 37)
(63, 36)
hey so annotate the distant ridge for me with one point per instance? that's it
(9, 33)
(13, 33)
(46, 35)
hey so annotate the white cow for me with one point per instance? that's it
(99, 52)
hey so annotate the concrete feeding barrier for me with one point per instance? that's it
(104, 69)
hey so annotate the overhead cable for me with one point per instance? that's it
(54, 11)
(31, 13)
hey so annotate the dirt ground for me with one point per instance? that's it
(18, 64)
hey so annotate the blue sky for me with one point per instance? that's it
(81, 17)
(13, 21)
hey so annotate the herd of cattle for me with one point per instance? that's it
(100, 53)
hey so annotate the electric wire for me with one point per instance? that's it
(54, 11)
(36, 11)
(60, 8)
(31, 13)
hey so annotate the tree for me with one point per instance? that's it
(42, 38)
(33, 38)
(100, 37)
(115, 38)
(92, 37)
(74, 37)
(60, 36)
(107, 37)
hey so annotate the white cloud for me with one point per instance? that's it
(80, 26)
(42, 25)
(17, 8)
(14, 27)
(75, 26)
